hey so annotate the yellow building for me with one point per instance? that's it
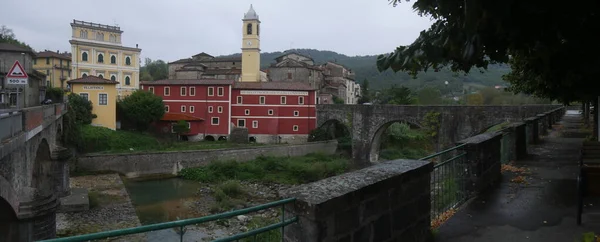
(56, 66)
(103, 95)
(251, 47)
(96, 50)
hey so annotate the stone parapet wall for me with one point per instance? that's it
(141, 164)
(389, 201)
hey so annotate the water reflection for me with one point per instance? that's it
(164, 200)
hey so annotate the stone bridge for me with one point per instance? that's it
(33, 172)
(366, 123)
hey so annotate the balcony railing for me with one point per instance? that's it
(90, 24)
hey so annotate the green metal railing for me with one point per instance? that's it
(449, 180)
(181, 224)
(507, 148)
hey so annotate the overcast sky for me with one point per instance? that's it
(175, 29)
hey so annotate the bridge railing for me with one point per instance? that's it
(11, 124)
(448, 180)
(252, 235)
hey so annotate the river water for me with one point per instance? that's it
(164, 200)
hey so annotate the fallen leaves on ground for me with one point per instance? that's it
(437, 222)
(519, 179)
(510, 167)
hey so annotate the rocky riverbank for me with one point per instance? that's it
(110, 208)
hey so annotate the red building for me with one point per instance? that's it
(271, 111)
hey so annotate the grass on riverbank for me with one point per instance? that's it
(106, 141)
(286, 170)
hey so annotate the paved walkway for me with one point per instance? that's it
(543, 209)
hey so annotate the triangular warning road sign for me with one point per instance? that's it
(17, 71)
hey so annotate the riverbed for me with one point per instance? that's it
(171, 199)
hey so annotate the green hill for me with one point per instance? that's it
(364, 67)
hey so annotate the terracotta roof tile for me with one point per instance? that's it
(188, 82)
(179, 116)
(53, 55)
(14, 48)
(222, 71)
(92, 80)
(299, 86)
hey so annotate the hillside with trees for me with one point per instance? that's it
(365, 68)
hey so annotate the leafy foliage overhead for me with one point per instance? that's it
(553, 47)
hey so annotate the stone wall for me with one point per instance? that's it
(141, 164)
(239, 135)
(389, 201)
(281, 139)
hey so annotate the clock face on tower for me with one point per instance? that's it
(249, 43)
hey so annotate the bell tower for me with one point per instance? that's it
(251, 47)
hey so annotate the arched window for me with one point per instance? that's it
(113, 60)
(101, 76)
(100, 58)
(249, 29)
(84, 75)
(128, 60)
(113, 78)
(84, 56)
(127, 81)
(258, 29)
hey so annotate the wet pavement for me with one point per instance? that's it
(543, 208)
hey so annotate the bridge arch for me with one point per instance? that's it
(335, 128)
(375, 144)
(41, 179)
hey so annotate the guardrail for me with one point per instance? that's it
(14, 121)
(448, 180)
(11, 124)
(181, 224)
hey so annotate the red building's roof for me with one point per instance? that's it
(179, 116)
(295, 86)
(188, 82)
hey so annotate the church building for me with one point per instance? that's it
(272, 112)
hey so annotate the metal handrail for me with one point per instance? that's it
(443, 152)
(182, 223)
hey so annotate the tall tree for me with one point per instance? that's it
(554, 58)
(8, 36)
(154, 70)
(81, 108)
(429, 96)
(141, 108)
(365, 96)
(396, 95)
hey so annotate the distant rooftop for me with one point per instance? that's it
(79, 23)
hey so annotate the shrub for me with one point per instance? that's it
(55, 93)
(289, 170)
(96, 139)
(141, 108)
